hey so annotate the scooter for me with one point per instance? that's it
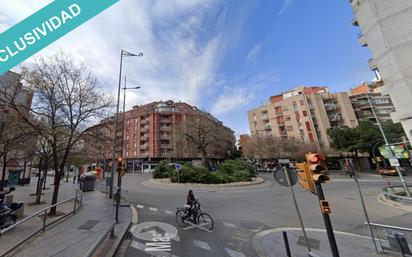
(8, 214)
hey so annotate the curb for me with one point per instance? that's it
(118, 241)
(258, 237)
(206, 186)
(384, 200)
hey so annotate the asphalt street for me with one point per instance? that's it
(240, 213)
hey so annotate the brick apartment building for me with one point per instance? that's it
(18, 160)
(382, 104)
(303, 113)
(154, 131)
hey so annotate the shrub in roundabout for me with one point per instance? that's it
(162, 170)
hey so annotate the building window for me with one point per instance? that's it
(289, 128)
(302, 103)
(305, 113)
(310, 135)
(308, 128)
(134, 152)
(285, 108)
(287, 118)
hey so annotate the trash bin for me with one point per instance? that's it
(87, 182)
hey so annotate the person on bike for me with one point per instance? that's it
(191, 201)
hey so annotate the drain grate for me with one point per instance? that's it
(88, 225)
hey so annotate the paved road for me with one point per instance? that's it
(242, 212)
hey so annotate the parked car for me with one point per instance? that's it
(391, 171)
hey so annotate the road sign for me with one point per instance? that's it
(148, 230)
(280, 177)
(394, 162)
(178, 166)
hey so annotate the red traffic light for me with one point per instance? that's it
(314, 157)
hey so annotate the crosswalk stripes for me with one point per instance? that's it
(202, 245)
(233, 253)
(152, 209)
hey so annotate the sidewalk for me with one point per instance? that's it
(270, 243)
(74, 236)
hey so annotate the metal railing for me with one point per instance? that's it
(393, 194)
(103, 187)
(381, 232)
(78, 198)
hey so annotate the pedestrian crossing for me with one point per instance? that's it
(228, 249)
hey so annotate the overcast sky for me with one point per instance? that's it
(224, 56)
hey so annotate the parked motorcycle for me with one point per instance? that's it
(8, 214)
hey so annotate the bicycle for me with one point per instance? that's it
(183, 219)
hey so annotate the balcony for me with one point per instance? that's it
(165, 128)
(334, 118)
(144, 121)
(144, 154)
(144, 147)
(372, 64)
(267, 126)
(164, 137)
(144, 129)
(143, 138)
(265, 117)
(165, 121)
(362, 40)
(331, 107)
(165, 146)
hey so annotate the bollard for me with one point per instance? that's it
(44, 220)
(286, 241)
(75, 201)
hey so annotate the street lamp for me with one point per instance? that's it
(123, 53)
(119, 176)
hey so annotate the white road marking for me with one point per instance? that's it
(139, 206)
(168, 212)
(153, 209)
(202, 244)
(176, 238)
(240, 238)
(134, 214)
(233, 253)
(228, 224)
(139, 246)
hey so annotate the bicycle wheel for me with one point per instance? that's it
(205, 221)
(181, 218)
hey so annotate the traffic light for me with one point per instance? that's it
(316, 167)
(120, 166)
(305, 176)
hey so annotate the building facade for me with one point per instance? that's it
(158, 131)
(304, 113)
(367, 96)
(16, 160)
(386, 29)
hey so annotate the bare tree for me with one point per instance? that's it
(66, 99)
(199, 134)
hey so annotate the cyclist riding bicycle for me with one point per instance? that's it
(191, 200)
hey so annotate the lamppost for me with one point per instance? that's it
(123, 53)
(119, 176)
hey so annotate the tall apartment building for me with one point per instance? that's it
(386, 29)
(303, 113)
(154, 131)
(18, 160)
(366, 96)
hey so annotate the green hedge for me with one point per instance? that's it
(162, 170)
(229, 171)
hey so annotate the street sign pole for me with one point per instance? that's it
(285, 170)
(328, 223)
(351, 170)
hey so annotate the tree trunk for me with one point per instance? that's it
(205, 161)
(24, 171)
(46, 168)
(68, 172)
(57, 179)
(38, 187)
(3, 175)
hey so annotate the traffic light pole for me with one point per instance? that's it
(285, 170)
(328, 223)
